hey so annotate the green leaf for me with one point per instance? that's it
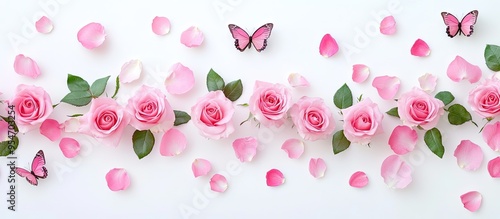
(233, 90)
(76, 83)
(434, 141)
(393, 112)
(5, 150)
(445, 96)
(181, 117)
(143, 142)
(214, 81)
(75, 115)
(492, 57)
(78, 98)
(340, 142)
(458, 115)
(117, 88)
(99, 86)
(343, 97)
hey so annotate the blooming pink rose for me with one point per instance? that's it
(485, 98)
(269, 103)
(213, 114)
(32, 105)
(362, 121)
(313, 119)
(418, 108)
(149, 109)
(105, 120)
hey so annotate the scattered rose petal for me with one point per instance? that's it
(459, 69)
(71, 125)
(358, 179)
(472, 200)
(274, 178)
(396, 172)
(297, 80)
(403, 139)
(173, 143)
(360, 73)
(192, 37)
(245, 148)
(51, 129)
(26, 66)
(69, 147)
(293, 147)
(161, 25)
(180, 80)
(491, 135)
(428, 82)
(44, 25)
(494, 167)
(386, 86)
(469, 155)
(117, 179)
(328, 46)
(317, 167)
(131, 71)
(218, 183)
(388, 25)
(420, 48)
(91, 35)
(201, 167)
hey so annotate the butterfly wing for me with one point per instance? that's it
(452, 23)
(260, 36)
(241, 37)
(29, 176)
(37, 167)
(467, 23)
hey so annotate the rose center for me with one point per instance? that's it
(363, 122)
(106, 120)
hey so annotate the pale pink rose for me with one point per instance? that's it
(313, 119)
(32, 106)
(485, 98)
(269, 103)
(105, 120)
(213, 114)
(362, 121)
(149, 109)
(418, 108)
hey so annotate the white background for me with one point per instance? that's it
(164, 186)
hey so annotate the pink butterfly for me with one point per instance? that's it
(454, 27)
(258, 38)
(38, 171)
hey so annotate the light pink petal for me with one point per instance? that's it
(51, 129)
(472, 200)
(428, 82)
(403, 139)
(69, 147)
(4, 131)
(494, 167)
(201, 167)
(386, 86)
(71, 125)
(420, 48)
(192, 37)
(396, 172)
(161, 25)
(173, 143)
(469, 155)
(360, 73)
(44, 25)
(328, 46)
(317, 167)
(297, 80)
(218, 183)
(293, 147)
(131, 71)
(91, 35)
(180, 80)
(459, 69)
(245, 148)
(274, 178)
(26, 66)
(388, 25)
(491, 135)
(117, 179)
(358, 179)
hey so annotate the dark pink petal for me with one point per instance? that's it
(293, 147)
(494, 167)
(131, 71)
(358, 179)
(218, 183)
(192, 37)
(328, 46)
(117, 179)
(360, 73)
(180, 80)
(201, 167)
(396, 172)
(386, 86)
(245, 148)
(428, 82)
(173, 143)
(160, 25)
(274, 178)
(459, 69)
(26, 66)
(403, 139)
(69, 147)
(44, 25)
(297, 80)
(491, 135)
(472, 200)
(388, 26)
(51, 129)
(317, 167)
(91, 35)
(469, 155)
(420, 48)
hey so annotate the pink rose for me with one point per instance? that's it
(32, 105)
(418, 108)
(105, 120)
(149, 109)
(485, 98)
(362, 121)
(269, 103)
(313, 119)
(213, 114)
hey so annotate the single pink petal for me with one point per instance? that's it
(192, 37)
(131, 71)
(388, 25)
(91, 35)
(4, 131)
(180, 80)
(245, 148)
(44, 25)
(491, 135)
(161, 25)
(294, 148)
(428, 82)
(494, 167)
(69, 147)
(459, 69)
(173, 143)
(317, 167)
(358, 179)
(360, 73)
(396, 172)
(201, 167)
(403, 139)
(274, 178)
(218, 183)
(51, 129)
(117, 179)
(386, 86)
(420, 48)
(472, 200)
(26, 66)
(469, 155)
(328, 46)
(297, 80)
